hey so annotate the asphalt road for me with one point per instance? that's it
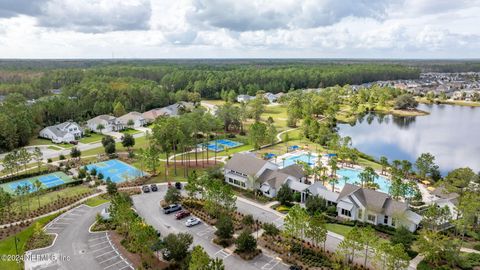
(75, 247)
(147, 205)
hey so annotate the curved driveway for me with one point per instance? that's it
(75, 247)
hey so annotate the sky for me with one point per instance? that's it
(240, 29)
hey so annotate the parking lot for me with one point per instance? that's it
(147, 205)
(75, 247)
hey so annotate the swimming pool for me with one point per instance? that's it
(220, 144)
(310, 159)
(117, 170)
(353, 178)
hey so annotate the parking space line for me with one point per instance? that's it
(270, 265)
(109, 259)
(100, 249)
(99, 243)
(93, 239)
(114, 264)
(127, 266)
(106, 253)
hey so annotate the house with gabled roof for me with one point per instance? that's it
(136, 120)
(245, 170)
(109, 123)
(62, 133)
(369, 206)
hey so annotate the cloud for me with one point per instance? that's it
(257, 15)
(13, 8)
(96, 15)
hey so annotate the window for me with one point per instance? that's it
(346, 213)
(371, 218)
(385, 220)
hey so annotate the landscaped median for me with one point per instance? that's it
(28, 238)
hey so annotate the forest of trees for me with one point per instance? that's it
(98, 87)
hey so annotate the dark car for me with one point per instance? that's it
(178, 185)
(182, 214)
(295, 267)
(172, 208)
(74, 142)
(153, 187)
(145, 189)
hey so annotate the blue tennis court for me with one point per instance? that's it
(47, 180)
(116, 170)
(220, 145)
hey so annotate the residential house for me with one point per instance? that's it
(132, 120)
(170, 110)
(369, 206)
(109, 123)
(62, 133)
(246, 171)
(244, 98)
(444, 198)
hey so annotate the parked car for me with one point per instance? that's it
(153, 187)
(172, 208)
(295, 267)
(145, 189)
(192, 222)
(182, 214)
(74, 142)
(178, 185)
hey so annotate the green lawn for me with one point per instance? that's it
(52, 196)
(96, 201)
(40, 141)
(32, 167)
(339, 228)
(94, 137)
(130, 131)
(7, 245)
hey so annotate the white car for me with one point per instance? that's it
(192, 222)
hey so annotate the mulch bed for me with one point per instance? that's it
(133, 258)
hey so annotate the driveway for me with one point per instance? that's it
(147, 205)
(75, 247)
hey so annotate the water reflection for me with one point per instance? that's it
(451, 133)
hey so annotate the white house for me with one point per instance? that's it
(246, 171)
(135, 118)
(369, 206)
(109, 123)
(244, 98)
(272, 97)
(62, 133)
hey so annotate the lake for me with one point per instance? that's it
(451, 133)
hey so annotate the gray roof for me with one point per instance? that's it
(294, 170)
(58, 129)
(103, 117)
(373, 200)
(131, 115)
(317, 189)
(245, 163)
(275, 179)
(443, 193)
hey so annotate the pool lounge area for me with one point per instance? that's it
(352, 175)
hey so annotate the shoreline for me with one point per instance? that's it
(451, 102)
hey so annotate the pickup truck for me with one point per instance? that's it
(171, 208)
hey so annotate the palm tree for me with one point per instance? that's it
(384, 163)
(333, 181)
(38, 186)
(333, 163)
(100, 127)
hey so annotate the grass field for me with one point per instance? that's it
(94, 137)
(7, 245)
(130, 131)
(32, 167)
(40, 141)
(52, 196)
(339, 228)
(96, 201)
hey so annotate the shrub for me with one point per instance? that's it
(270, 229)
(297, 196)
(332, 210)
(49, 160)
(246, 242)
(61, 157)
(315, 204)
(224, 227)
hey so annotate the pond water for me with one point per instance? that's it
(451, 133)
